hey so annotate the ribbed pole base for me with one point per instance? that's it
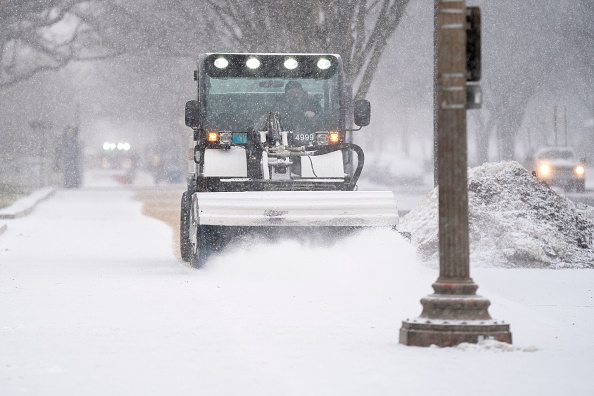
(443, 333)
(452, 315)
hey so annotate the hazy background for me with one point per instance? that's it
(137, 72)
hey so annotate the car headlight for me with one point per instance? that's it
(579, 170)
(544, 169)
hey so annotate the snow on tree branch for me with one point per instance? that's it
(37, 35)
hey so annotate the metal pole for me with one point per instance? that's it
(565, 123)
(435, 115)
(446, 313)
(452, 144)
(555, 124)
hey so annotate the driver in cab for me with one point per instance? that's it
(299, 111)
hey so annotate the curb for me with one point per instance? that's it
(25, 205)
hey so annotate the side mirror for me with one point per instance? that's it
(193, 114)
(362, 112)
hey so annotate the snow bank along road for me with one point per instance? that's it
(93, 301)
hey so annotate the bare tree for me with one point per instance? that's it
(578, 32)
(520, 60)
(582, 43)
(358, 30)
(37, 35)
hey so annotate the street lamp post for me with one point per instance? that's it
(454, 313)
(40, 130)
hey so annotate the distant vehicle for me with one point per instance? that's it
(558, 166)
(119, 159)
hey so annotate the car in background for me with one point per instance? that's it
(120, 160)
(559, 166)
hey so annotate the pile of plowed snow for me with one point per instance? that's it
(514, 221)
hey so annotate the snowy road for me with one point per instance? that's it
(93, 301)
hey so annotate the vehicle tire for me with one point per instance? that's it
(194, 235)
(185, 245)
(197, 258)
(580, 187)
(208, 240)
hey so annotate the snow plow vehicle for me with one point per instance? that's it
(271, 149)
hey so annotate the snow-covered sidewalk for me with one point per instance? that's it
(25, 205)
(93, 301)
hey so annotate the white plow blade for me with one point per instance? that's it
(296, 208)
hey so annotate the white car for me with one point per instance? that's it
(558, 166)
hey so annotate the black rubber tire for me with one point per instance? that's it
(196, 260)
(210, 240)
(185, 245)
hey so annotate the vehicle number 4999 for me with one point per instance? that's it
(304, 137)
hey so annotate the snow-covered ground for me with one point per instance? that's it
(93, 301)
(105, 178)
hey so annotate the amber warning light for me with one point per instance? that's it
(333, 137)
(213, 137)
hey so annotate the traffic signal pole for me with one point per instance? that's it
(454, 313)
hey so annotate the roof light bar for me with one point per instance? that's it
(324, 63)
(221, 63)
(230, 65)
(291, 63)
(252, 63)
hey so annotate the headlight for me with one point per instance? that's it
(579, 170)
(544, 169)
(322, 138)
(226, 138)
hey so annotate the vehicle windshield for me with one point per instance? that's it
(244, 103)
(556, 154)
